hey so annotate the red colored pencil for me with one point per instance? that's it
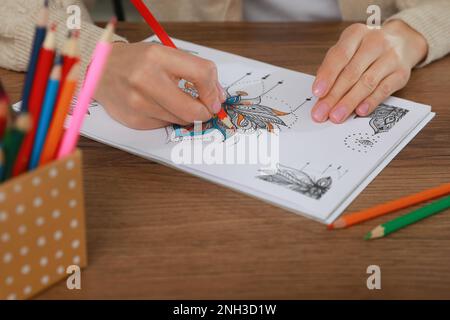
(43, 69)
(4, 110)
(165, 40)
(70, 54)
(153, 23)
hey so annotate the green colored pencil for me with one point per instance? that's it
(414, 216)
(13, 140)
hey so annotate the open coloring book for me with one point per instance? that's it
(314, 169)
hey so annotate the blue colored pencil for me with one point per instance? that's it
(39, 36)
(46, 113)
(2, 161)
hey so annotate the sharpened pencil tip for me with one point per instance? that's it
(368, 236)
(226, 121)
(337, 224)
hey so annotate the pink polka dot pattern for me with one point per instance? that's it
(42, 227)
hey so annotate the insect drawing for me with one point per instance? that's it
(298, 180)
(384, 117)
(247, 113)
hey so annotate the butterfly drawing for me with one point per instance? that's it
(246, 113)
(384, 117)
(298, 181)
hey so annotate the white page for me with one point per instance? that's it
(337, 161)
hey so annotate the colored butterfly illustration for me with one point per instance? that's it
(298, 181)
(384, 117)
(246, 113)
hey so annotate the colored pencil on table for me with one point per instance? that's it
(12, 140)
(94, 73)
(165, 40)
(43, 69)
(39, 36)
(56, 128)
(391, 206)
(46, 113)
(408, 219)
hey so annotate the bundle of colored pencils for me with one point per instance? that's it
(34, 134)
(401, 222)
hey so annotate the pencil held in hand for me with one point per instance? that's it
(93, 76)
(153, 23)
(165, 40)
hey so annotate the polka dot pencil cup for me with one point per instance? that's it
(42, 227)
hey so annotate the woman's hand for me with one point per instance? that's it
(364, 68)
(139, 87)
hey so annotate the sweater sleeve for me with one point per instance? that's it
(432, 20)
(18, 25)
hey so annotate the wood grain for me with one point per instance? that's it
(156, 233)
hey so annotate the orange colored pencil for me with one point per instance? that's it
(56, 128)
(391, 206)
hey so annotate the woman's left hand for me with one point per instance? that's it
(364, 68)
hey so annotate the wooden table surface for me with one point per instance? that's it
(156, 233)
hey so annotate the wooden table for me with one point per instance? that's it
(157, 233)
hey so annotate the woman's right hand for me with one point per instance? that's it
(139, 87)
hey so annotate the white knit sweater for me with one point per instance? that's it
(17, 22)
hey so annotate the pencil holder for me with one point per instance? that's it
(42, 227)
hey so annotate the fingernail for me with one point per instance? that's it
(339, 114)
(320, 113)
(216, 106)
(363, 109)
(319, 88)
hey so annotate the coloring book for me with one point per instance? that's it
(275, 152)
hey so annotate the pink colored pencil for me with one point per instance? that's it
(93, 76)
